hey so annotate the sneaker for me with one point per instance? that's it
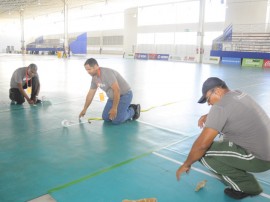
(38, 101)
(237, 194)
(137, 110)
(13, 102)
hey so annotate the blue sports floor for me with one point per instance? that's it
(101, 162)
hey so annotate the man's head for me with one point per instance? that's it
(91, 66)
(32, 70)
(213, 89)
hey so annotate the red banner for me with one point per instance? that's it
(266, 64)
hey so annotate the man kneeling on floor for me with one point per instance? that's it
(245, 148)
(118, 108)
(24, 78)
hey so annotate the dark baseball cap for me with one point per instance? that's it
(209, 84)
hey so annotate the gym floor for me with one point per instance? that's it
(40, 160)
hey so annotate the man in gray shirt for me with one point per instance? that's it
(118, 108)
(246, 136)
(24, 78)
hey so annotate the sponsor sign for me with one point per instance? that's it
(231, 61)
(189, 59)
(141, 56)
(175, 58)
(212, 60)
(152, 56)
(266, 63)
(249, 62)
(129, 56)
(163, 56)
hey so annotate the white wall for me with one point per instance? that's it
(245, 12)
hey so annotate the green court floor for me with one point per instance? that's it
(101, 162)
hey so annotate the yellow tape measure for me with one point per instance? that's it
(143, 110)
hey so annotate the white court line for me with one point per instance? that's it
(172, 150)
(198, 170)
(162, 128)
(180, 163)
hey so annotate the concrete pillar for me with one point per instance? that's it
(66, 25)
(200, 35)
(130, 30)
(22, 31)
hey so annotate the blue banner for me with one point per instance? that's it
(231, 61)
(141, 56)
(163, 56)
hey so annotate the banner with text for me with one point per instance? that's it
(141, 56)
(249, 62)
(231, 61)
(266, 64)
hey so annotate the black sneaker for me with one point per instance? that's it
(237, 194)
(38, 101)
(13, 102)
(137, 110)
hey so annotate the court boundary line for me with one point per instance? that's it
(172, 150)
(198, 170)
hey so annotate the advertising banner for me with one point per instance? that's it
(211, 60)
(266, 63)
(249, 62)
(231, 61)
(129, 56)
(163, 56)
(152, 56)
(175, 58)
(141, 56)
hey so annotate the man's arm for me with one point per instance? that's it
(116, 99)
(24, 94)
(88, 101)
(202, 121)
(199, 148)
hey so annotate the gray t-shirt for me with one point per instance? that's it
(242, 121)
(19, 76)
(107, 78)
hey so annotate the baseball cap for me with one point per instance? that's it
(209, 84)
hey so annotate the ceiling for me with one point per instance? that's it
(10, 9)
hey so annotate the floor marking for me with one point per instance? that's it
(198, 170)
(172, 150)
(180, 163)
(162, 128)
(98, 173)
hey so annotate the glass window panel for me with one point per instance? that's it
(215, 11)
(210, 36)
(186, 38)
(164, 38)
(171, 13)
(146, 38)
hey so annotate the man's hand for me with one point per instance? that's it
(202, 121)
(30, 101)
(82, 113)
(112, 113)
(184, 168)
